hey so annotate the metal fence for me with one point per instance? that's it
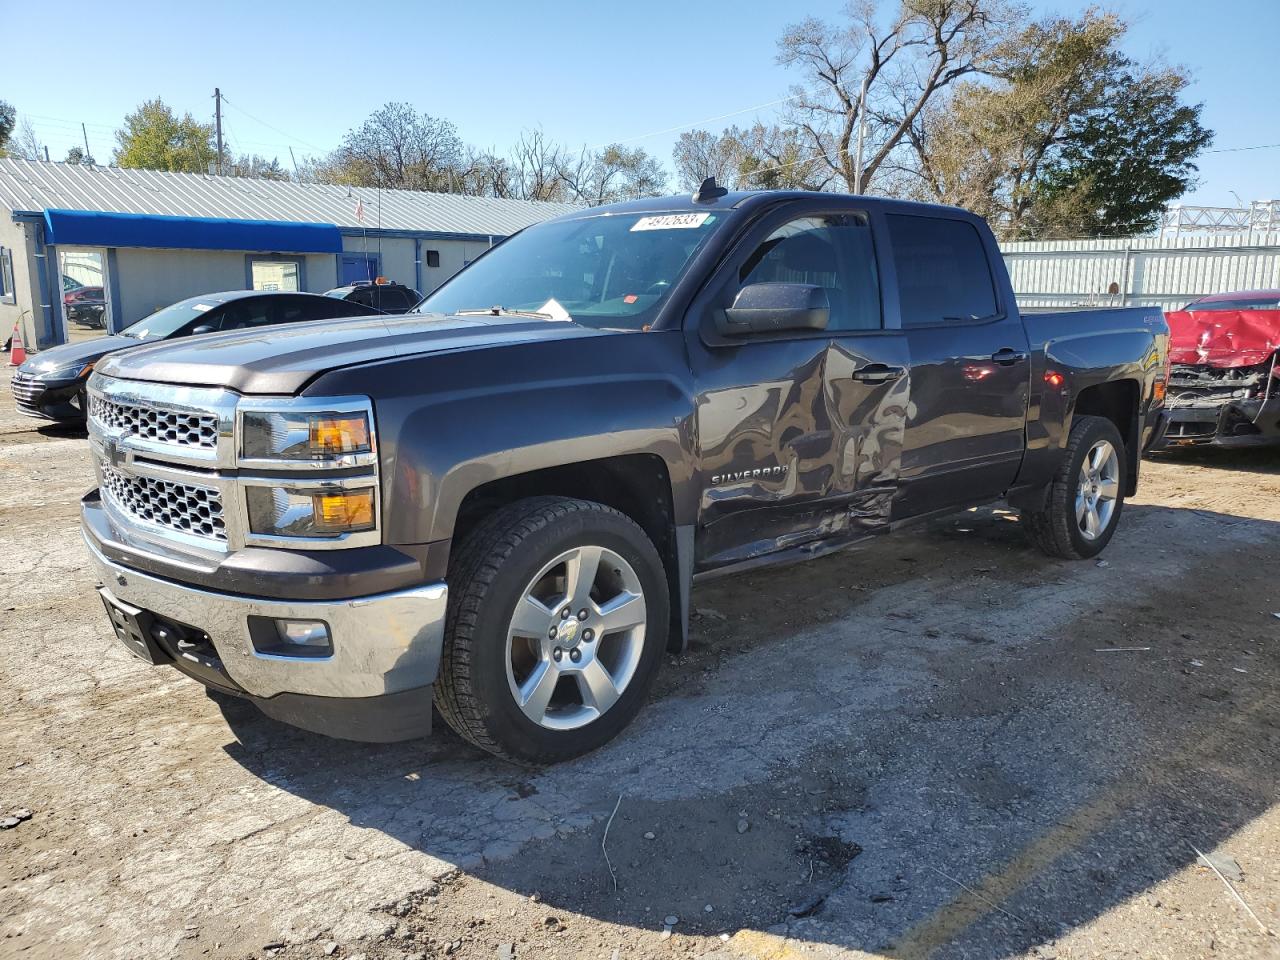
(1143, 271)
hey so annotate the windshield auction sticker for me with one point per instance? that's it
(671, 221)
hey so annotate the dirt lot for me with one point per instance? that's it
(929, 748)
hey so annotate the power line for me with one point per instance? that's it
(287, 136)
(1260, 146)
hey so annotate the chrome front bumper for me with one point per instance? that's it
(382, 644)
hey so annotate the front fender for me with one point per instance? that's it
(448, 423)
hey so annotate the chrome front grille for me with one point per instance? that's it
(182, 507)
(173, 427)
(25, 389)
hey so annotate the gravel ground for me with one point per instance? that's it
(927, 748)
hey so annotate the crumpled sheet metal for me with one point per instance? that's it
(1223, 338)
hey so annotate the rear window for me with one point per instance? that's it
(943, 273)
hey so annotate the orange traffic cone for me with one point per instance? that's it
(17, 352)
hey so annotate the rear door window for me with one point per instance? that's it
(943, 273)
(292, 310)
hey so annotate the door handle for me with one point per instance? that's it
(878, 373)
(1008, 357)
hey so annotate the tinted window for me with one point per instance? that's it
(943, 274)
(832, 252)
(245, 314)
(289, 310)
(362, 296)
(395, 299)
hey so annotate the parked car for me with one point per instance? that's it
(50, 385)
(1224, 386)
(83, 304)
(501, 501)
(383, 297)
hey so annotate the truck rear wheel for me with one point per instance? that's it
(1083, 504)
(558, 616)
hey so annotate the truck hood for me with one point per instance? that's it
(283, 359)
(1223, 338)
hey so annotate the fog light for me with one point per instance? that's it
(303, 633)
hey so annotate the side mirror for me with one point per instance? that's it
(204, 328)
(767, 307)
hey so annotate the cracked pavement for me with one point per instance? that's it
(912, 750)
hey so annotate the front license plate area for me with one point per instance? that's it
(133, 628)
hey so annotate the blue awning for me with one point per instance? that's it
(93, 229)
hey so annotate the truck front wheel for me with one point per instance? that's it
(1083, 503)
(558, 615)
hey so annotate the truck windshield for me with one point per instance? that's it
(608, 271)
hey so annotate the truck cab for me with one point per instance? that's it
(500, 502)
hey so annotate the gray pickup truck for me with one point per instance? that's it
(500, 502)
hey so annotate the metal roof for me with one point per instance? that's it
(30, 185)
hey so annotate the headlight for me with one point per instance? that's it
(328, 512)
(304, 435)
(309, 471)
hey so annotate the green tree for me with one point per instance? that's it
(1068, 137)
(1121, 164)
(77, 155)
(8, 120)
(155, 138)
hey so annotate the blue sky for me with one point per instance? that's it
(588, 72)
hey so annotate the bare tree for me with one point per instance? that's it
(398, 147)
(761, 157)
(880, 74)
(613, 174)
(537, 165)
(26, 145)
(485, 174)
(699, 154)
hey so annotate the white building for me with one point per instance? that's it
(85, 250)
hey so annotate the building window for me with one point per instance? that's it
(276, 273)
(433, 258)
(7, 293)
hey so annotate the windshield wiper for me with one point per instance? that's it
(502, 312)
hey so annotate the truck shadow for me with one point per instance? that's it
(932, 750)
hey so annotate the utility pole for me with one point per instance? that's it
(87, 154)
(217, 120)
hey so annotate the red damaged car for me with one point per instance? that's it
(1224, 385)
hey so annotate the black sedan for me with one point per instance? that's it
(51, 384)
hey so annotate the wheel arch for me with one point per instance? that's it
(1118, 401)
(637, 485)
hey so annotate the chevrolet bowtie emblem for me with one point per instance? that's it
(114, 454)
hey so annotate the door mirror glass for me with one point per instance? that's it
(767, 307)
(203, 328)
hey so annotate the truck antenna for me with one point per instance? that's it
(709, 191)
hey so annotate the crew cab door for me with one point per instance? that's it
(798, 432)
(970, 366)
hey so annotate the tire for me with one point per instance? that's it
(1056, 527)
(527, 555)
